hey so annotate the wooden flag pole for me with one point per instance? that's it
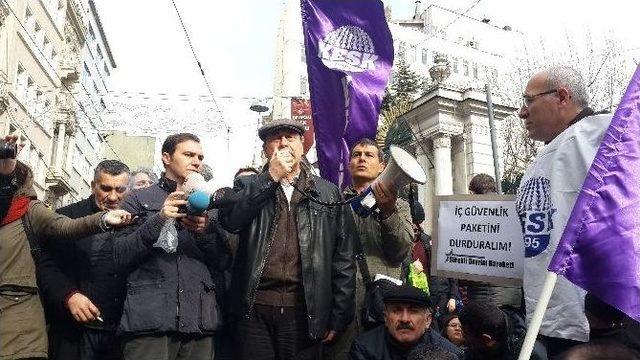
(538, 314)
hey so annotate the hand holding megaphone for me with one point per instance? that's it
(386, 196)
(401, 170)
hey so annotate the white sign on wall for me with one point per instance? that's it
(477, 237)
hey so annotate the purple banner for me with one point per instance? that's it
(349, 53)
(600, 247)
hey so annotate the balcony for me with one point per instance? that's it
(70, 65)
(58, 182)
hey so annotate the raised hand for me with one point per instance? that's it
(118, 218)
(281, 164)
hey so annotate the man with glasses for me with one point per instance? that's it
(555, 111)
(82, 290)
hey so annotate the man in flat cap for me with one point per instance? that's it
(294, 275)
(407, 314)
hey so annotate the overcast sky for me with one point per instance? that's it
(235, 42)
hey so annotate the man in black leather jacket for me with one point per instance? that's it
(170, 311)
(293, 279)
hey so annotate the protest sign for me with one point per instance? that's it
(477, 237)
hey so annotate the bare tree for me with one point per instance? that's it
(601, 62)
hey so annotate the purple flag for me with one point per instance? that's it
(349, 53)
(600, 248)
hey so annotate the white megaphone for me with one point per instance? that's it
(402, 169)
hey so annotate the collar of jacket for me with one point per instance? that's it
(167, 185)
(582, 114)
(305, 178)
(93, 205)
(350, 192)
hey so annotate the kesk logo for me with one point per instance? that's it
(536, 215)
(348, 48)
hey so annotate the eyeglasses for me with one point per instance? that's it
(527, 100)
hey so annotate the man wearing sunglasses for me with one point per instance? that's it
(82, 290)
(555, 111)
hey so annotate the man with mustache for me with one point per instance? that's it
(407, 317)
(293, 275)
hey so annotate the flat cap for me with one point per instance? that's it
(407, 294)
(278, 125)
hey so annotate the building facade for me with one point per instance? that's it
(42, 47)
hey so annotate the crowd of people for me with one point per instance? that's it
(285, 271)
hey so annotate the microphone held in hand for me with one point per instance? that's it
(198, 202)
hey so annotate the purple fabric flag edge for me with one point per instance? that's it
(335, 132)
(599, 251)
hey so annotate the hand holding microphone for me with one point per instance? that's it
(199, 197)
(281, 164)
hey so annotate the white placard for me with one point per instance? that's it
(478, 237)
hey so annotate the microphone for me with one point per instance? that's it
(198, 202)
(199, 193)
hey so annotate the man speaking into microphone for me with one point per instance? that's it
(294, 275)
(170, 311)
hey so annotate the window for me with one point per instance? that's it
(92, 35)
(455, 65)
(475, 70)
(60, 13)
(54, 58)
(21, 84)
(47, 50)
(85, 74)
(38, 36)
(31, 92)
(411, 55)
(106, 70)
(303, 55)
(401, 49)
(30, 22)
(38, 106)
(99, 52)
(425, 56)
(304, 85)
(465, 67)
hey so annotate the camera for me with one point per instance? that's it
(8, 150)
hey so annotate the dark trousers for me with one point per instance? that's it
(275, 333)
(100, 345)
(64, 343)
(78, 343)
(169, 347)
(555, 346)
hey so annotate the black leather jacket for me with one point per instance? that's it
(326, 250)
(167, 292)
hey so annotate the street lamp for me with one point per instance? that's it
(259, 108)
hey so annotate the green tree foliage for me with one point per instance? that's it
(405, 86)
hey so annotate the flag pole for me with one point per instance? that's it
(538, 314)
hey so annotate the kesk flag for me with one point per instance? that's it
(349, 53)
(600, 248)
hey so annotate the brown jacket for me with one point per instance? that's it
(22, 323)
